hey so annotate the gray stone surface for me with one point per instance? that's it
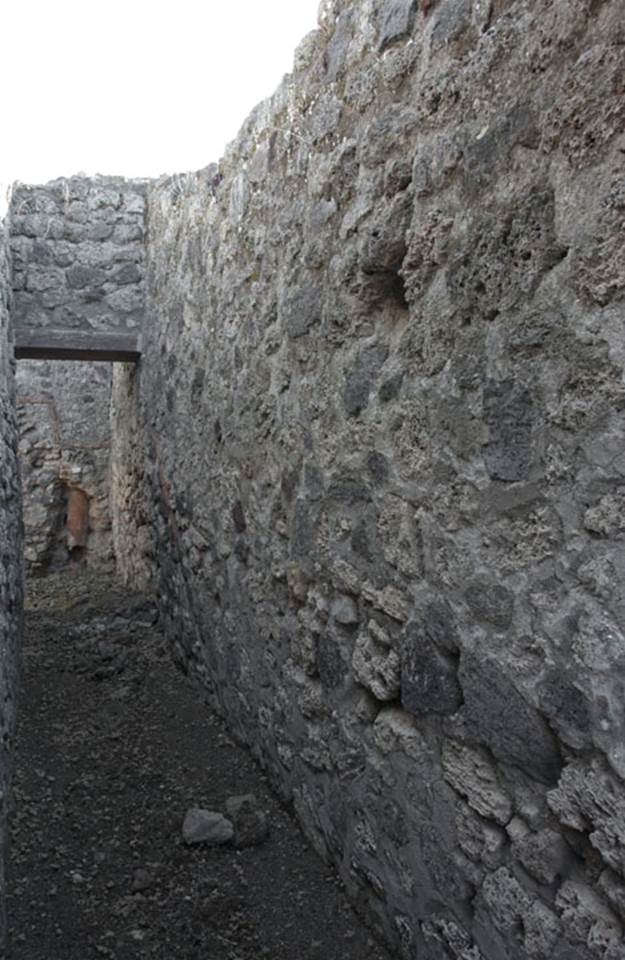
(77, 266)
(206, 826)
(394, 19)
(429, 676)
(78, 253)
(380, 424)
(65, 448)
(10, 561)
(380, 395)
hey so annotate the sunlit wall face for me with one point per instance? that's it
(134, 88)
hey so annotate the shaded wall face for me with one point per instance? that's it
(133, 536)
(65, 446)
(77, 247)
(10, 560)
(382, 395)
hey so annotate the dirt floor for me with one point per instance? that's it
(114, 747)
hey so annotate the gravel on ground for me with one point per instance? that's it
(114, 748)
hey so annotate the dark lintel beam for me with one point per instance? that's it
(47, 344)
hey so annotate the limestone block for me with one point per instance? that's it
(613, 889)
(298, 583)
(389, 600)
(429, 676)
(544, 854)
(394, 20)
(505, 898)
(330, 660)
(361, 376)
(383, 244)
(496, 714)
(542, 930)
(394, 729)
(302, 309)
(344, 610)
(80, 276)
(607, 518)
(376, 666)
(480, 840)
(509, 414)
(567, 708)
(585, 917)
(470, 772)
(43, 279)
(326, 115)
(452, 20)
(126, 233)
(386, 134)
(590, 798)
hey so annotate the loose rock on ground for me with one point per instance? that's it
(114, 748)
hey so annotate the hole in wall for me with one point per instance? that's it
(397, 291)
(387, 288)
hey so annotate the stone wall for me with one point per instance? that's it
(383, 401)
(133, 538)
(64, 446)
(77, 247)
(10, 560)
(78, 263)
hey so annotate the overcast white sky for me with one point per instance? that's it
(135, 88)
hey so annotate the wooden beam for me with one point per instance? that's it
(47, 344)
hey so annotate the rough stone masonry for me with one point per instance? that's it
(77, 247)
(64, 452)
(10, 558)
(381, 409)
(77, 253)
(383, 403)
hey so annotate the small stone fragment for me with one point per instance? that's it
(206, 826)
(249, 821)
(344, 610)
(376, 666)
(297, 583)
(142, 880)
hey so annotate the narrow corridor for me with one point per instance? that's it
(114, 746)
